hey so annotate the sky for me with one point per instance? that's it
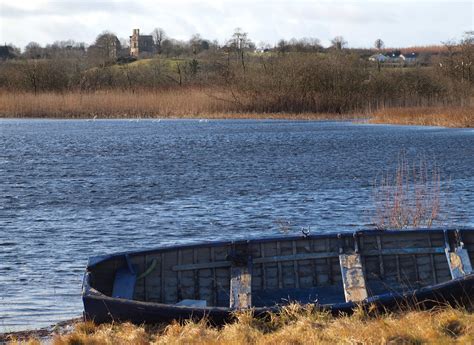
(399, 23)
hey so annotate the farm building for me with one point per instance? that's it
(7, 52)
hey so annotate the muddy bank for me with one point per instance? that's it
(42, 334)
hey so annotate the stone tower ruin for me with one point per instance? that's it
(140, 44)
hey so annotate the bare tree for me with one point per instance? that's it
(239, 42)
(106, 48)
(305, 44)
(159, 35)
(64, 49)
(379, 44)
(283, 46)
(339, 42)
(197, 44)
(33, 50)
(467, 55)
(31, 72)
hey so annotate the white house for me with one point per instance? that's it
(378, 58)
(409, 58)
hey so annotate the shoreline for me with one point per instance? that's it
(210, 117)
(211, 104)
(44, 333)
(292, 324)
(449, 117)
(356, 119)
(196, 116)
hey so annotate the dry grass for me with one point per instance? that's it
(199, 103)
(295, 324)
(113, 104)
(427, 116)
(172, 103)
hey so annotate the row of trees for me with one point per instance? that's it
(108, 44)
(337, 81)
(334, 82)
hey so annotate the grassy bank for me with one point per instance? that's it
(294, 325)
(427, 116)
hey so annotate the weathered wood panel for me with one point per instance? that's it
(271, 269)
(391, 268)
(322, 272)
(425, 269)
(336, 277)
(153, 281)
(468, 239)
(442, 268)
(170, 277)
(138, 263)
(187, 281)
(371, 267)
(104, 275)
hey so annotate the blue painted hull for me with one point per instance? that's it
(100, 307)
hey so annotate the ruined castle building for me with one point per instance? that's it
(140, 44)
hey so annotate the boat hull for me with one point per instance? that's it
(101, 309)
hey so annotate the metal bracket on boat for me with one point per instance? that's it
(341, 243)
(305, 231)
(352, 272)
(458, 259)
(356, 242)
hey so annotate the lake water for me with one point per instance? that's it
(72, 189)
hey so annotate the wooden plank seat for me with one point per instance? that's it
(352, 273)
(240, 280)
(353, 279)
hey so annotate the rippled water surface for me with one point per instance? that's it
(72, 189)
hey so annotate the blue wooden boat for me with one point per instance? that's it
(385, 269)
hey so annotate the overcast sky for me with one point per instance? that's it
(399, 23)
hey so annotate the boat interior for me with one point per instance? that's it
(306, 269)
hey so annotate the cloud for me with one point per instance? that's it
(66, 8)
(359, 21)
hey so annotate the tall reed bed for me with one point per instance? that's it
(200, 102)
(427, 116)
(295, 324)
(174, 103)
(112, 104)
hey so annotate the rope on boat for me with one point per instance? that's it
(149, 269)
